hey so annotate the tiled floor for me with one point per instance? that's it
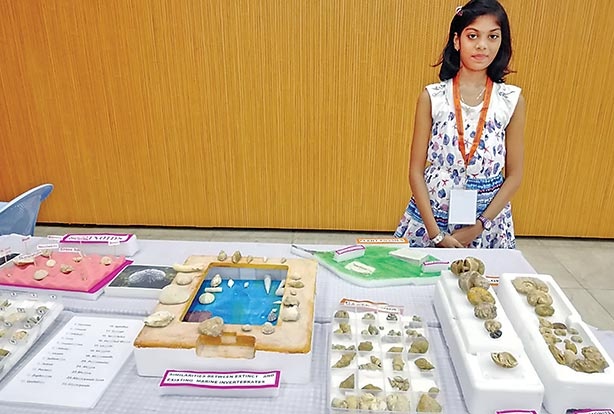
(583, 268)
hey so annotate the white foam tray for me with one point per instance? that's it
(565, 388)
(486, 387)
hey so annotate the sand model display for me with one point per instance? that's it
(232, 313)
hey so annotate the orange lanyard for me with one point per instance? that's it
(460, 127)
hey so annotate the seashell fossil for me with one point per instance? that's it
(419, 346)
(345, 360)
(559, 325)
(492, 325)
(174, 295)
(371, 330)
(572, 331)
(399, 383)
(77, 259)
(545, 323)
(558, 355)
(344, 328)
(551, 339)
(577, 339)
(538, 297)
(365, 346)
(477, 295)
(544, 330)
(66, 269)
(339, 403)
(368, 316)
(544, 310)
(433, 391)
(560, 332)
(50, 263)
(40, 274)
(571, 346)
(369, 402)
(464, 265)
(341, 314)
(397, 402)
(347, 383)
(106, 260)
(428, 404)
(246, 328)
(206, 298)
(504, 359)
(424, 364)
(478, 280)
(249, 259)
(23, 261)
(526, 284)
(222, 256)
(216, 280)
(371, 387)
(183, 279)
(212, 327)
(159, 319)
(485, 310)
(236, 257)
(374, 364)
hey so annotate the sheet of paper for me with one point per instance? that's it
(77, 364)
(463, 206)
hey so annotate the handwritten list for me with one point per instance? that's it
(77, 365)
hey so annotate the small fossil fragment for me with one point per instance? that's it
(216, 280)
(236, 257)
(504, 359)
(544, 310)
(550, 338)
(345, 360)
(183, 279)
(395, 349)
(424, 364)
(344, 328)
(347, 383)
(159, 319)
(365, 346)
(371, 387)
(558, 355)
(560, 332)
(368, 316)
(339, 403)
(40, 274)
(538, 297)
(66, 269)
(50, 263)
(559, 325)
(496, 334)
(419, 346)
(249, 259)
(525, 285)
(297, 284)
(572, 331)
(477, 295)
(545, 322)
(268, 328)
(571, 346)
(492, 325)
(399, 383)
(290, 314)
(106, 260)
(374, 364)
(77, 259)
(392, 317)
(341, 314)
(246, 328)
(397, 363)
(212, 327)
(206, 298)
(485, 310)
(577, 339)
(222, 256)
(428, 404)
(397, 402)
(283, 260)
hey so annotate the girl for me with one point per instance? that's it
(468, 132)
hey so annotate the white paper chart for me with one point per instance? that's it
(77, 365)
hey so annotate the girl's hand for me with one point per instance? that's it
(449, 241)
(465, 235)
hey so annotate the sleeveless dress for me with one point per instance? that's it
(446, 169)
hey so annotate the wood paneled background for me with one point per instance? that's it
(282, 113)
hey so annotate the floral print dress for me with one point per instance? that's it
(446, 169)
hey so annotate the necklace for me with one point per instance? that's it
(477, 97)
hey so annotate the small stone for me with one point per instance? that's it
(174, 295)
(106, 260)
(50, 263)
(206, 298)
(183, 279)
(246, 328)
(40, 274)
(236, 257)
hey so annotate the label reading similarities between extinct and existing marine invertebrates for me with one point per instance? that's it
(590, 411)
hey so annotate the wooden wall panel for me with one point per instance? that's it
(281, 113)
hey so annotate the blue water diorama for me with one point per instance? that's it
(246, 302)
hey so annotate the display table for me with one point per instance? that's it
(130, 393)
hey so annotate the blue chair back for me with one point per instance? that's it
(20, 214)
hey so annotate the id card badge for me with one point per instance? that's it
(463, 206)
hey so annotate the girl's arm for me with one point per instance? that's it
(417, 161)
(514, 143)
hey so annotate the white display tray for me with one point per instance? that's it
(564, 387)
(486, 387)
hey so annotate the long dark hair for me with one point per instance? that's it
(450, 57)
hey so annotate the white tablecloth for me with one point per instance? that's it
(130, 393)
